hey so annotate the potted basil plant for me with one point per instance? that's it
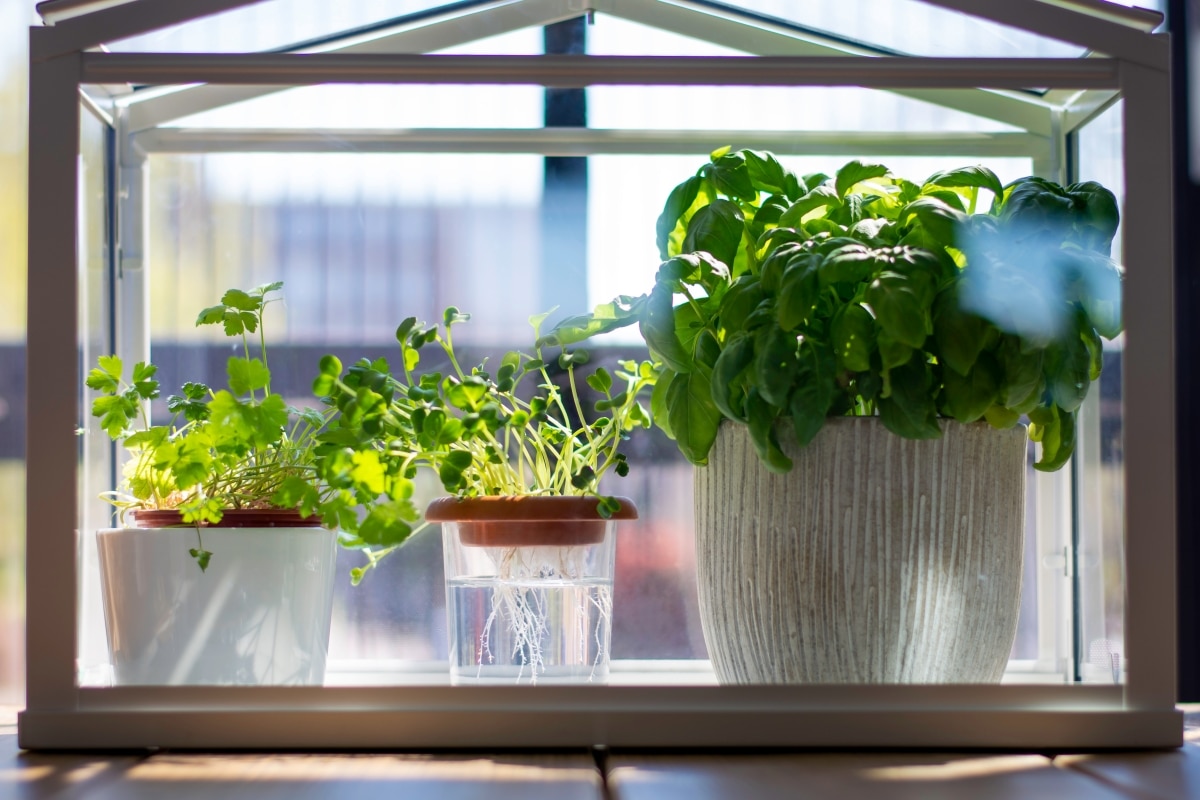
(214, 577)
(849, 360)
(528, 536)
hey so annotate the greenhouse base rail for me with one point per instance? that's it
(575, 727)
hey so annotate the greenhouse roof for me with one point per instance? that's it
(933, 28)
(985, 27)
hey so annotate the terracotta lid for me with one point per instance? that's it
(231, 518)
(527, 521)
(524, 509)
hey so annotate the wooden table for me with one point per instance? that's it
(1171, 775)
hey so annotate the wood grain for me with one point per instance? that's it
(876, 560)
(38, 776)
(1167, 775)
(849, 776)
(33, 776)
(349, 777)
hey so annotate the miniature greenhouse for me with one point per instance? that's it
(370, 162)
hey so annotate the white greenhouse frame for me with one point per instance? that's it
(64, 57)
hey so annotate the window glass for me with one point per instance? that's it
(392, 107)
(279, 24)
(95, 332)
(362, 240)
(748, 108)
(15, 17)
(907, 26)
(625, 196)
(1100, 467)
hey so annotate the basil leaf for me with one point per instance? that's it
(775, 364)
(814, 393)
(851, 263)
(936, 217)
(1096, 216)
(716, 228)
(657, 326)
(1055, 430)
(762, 433)
(766, 172)
(909, 410)
(967, 177)
(693, 415)
(968, 396)
(853, 333)
(679, 202)
(960, 335)
(822, 196)
(798, 292)
(856, 172)
(1022, 371)
(1068, 367)
(735, 359)
(730, 175)
(658, 401)
(745, 295)
(901, 307)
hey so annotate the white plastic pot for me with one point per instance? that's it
(259, 614)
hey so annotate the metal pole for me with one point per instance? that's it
(567, 71)
(52, 369)
(1149, 391)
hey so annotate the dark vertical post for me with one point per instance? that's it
(1184, 20)
(564, 187)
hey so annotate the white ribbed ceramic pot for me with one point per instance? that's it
(259, 615)
(876, 560)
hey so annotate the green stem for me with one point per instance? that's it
(262, 344)
(448, 346)
(699, 312)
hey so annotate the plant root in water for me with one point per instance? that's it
(522, 600)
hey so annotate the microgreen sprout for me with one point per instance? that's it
(511, 431)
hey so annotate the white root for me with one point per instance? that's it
(526, 577)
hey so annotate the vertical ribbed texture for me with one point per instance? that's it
(876, 560)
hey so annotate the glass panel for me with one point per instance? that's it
(360, 243)
(1100, 465)
(748, 108)
(95, 321)
(380, 107)
(13, 96)
(774, 109)
(279, 25)
(362, 240)
(907, 26)
(398, 107)
(626, 194)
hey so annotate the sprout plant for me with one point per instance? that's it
(230, 448)
(507, 430)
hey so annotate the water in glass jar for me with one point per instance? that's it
(529, 631)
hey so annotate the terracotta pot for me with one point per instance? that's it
(877, 559)
(526, 521)
(230, 518)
